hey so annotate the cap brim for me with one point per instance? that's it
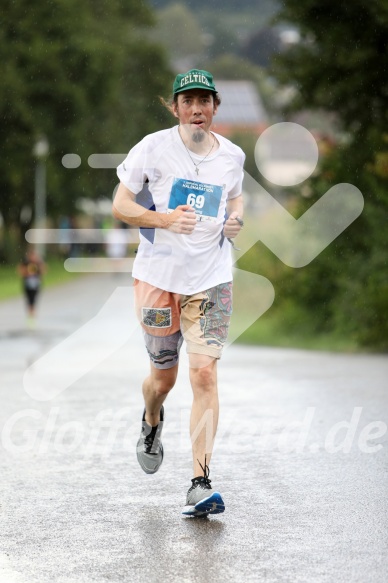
(181, 89)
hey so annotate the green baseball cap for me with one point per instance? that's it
(194, 79)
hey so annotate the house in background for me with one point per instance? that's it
(241, 109)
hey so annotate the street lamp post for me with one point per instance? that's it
(40, 151)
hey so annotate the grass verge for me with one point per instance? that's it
(10, 282)
(271, 330)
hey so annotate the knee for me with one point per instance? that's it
(203, 380)
(162, 388)
(163, 384)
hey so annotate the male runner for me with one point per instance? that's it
(182, 187)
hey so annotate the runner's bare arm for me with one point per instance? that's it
(126, 209)
(235, 208)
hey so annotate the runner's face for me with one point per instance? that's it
(195, 110)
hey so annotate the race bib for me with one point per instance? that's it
(204, 198)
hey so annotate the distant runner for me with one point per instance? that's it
(31, 270)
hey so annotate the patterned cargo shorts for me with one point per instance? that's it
(167, 318)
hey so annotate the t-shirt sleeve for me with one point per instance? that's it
(135, 171)
(236, 189)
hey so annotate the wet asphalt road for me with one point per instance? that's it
(301, 457)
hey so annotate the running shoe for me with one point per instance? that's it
(149, 448)
(201, 498)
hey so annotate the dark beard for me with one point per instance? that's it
(198, 136)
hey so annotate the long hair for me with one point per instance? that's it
(173, 99)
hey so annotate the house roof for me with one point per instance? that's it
(240, 104)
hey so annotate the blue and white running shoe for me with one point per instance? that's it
(201, 498)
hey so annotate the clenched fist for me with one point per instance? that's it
(182, 220)
(233, 225)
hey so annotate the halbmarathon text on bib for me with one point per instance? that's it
(204, 198)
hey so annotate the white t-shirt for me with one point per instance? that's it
(184, 264)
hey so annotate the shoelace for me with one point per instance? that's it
(206, 470)
(202, 481)
(149, 441)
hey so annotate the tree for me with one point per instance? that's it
(341, 65)
(178, 29)
(268, 7)
(82, 74)
(261, 46)
(342, 62)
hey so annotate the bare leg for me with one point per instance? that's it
(155, 389)
(31, 314)
(204, 412)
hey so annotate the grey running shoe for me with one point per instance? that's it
(149, 448)
(201, 498)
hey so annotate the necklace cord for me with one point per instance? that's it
(203, 159)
